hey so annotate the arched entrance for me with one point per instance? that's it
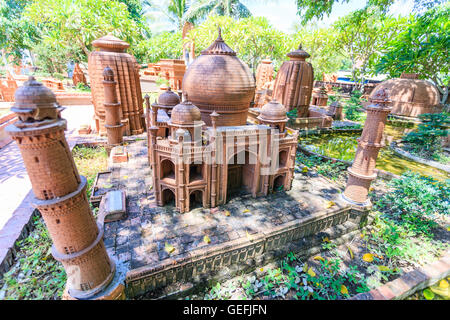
(196, 199)
(240, 173)
(167, 169)
(278, 183)
(168, 197)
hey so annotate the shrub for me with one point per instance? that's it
(353, 107)
(426, 140)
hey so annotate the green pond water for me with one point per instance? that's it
(343, 146)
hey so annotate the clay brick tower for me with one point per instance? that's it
(113, 124)
(362, 172)
(60, 195)
(111, 52)
(294, 83)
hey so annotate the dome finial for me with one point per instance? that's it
(300, 46)
(219, 38)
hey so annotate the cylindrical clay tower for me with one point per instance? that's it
(294, 83)
(362, 172)
(112, 53)
(112, 109)
(60, 194)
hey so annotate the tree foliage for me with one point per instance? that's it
(16, 33)
(361, 35)
(252, 38)
(200, 9)
(320, 44)
(422, 47)
(167, 45)
(68, 27)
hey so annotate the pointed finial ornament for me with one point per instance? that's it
(300, 47)
(220, 34)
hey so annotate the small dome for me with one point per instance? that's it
(111, 43)
(298, 54)
(410, 97)
(108, 73)
(168, 98)
(33, 95)
(273, 111)
(185, 113)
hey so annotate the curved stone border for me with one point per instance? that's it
(408, 155)
(410, 282)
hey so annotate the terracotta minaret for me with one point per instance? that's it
(362, 172)
(60, 194)
(294, 83)
(113, 124)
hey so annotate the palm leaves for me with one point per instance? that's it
(200, 9)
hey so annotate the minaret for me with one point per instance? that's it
(60, 195)
(113, 124)
(362, 172)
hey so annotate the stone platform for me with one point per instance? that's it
(243, 231)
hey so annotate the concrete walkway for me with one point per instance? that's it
(14, 181)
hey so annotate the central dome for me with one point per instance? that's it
(219, 81)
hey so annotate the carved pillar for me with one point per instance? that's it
(362, 172)
(153, 164)
(60, 195)
(113, 124)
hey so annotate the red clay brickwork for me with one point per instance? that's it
(60, 192)
(113, 124)
(294, 83)
(219, 81)
(264, 73)
(362, 172)
(411, 97)
(112, 53)
(78, 75)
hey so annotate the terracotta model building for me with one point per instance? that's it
(173, 70)
(264, 73)
(410, 96)
(78, 75)
(60, 194)
(362, 172)
(294, 82)
(210, 153)
(112, 53)
(113, 124)
(320, 98)
(162, 110)
(219, 81)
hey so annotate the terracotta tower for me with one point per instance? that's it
(362, 172)
(294, 83)
(112, 53)
(264, 73)
(113, 124)
(60, 194)
(78, 75)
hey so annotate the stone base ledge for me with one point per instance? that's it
(222, 260)
(410, 282)
(394, 146)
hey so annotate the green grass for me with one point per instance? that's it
(90, 161)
